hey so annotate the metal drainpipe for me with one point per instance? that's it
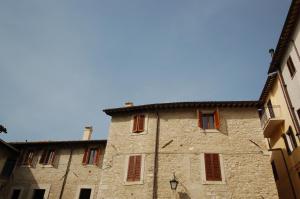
(287, 170)
(66, 174)
(155, 169)
(289, 103)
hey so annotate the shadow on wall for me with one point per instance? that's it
(183, 195)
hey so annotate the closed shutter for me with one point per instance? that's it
(31, 158)
(217, 119)
(134, 168)
(85, 156)
(199, 115)
(52, 157)
(141, 123)
(138, 164)
(97, 159)
(131, 169)
(212, 167)
(43, 157)
(135, 124)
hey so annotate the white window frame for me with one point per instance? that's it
(85, 186)
(39, 186)
(126, 164)
(203, 172)
(145, 125)
(15, 188)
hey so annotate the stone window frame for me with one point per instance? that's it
(85, 186)
(47, 188)
(126, 164)
(203, 172)
(145, 124)
(16, 187)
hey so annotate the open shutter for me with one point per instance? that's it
(85, 156)
(141, 123)
(138, 164)
(97, 159)
(131, 170)
(43, 157)
(199, 116)
(135, 124)
(217, 119)
(52, 158)
(31, 158)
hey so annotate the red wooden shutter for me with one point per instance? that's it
(217, 119)
(85, 156)
(97, 159)
(216, 167)
(131, 170)
(208, 167)
(43, 157)
(212, 167)
(141, 122)
(135, 124)
(199, 115)
(137, 170)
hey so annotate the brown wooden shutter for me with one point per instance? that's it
(135, 124)
(212, 167)
(97, 159)
(85, 156)
(141, 122)
(137, 170)
(199, 115)
(43, 157)
(217, 119)
(131, 169)
(53, 157)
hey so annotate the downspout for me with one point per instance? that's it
(155, 169)
(66, 175)
(289, 103)
(287, 170)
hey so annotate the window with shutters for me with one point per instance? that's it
(138, 125)
(134, 171)
(47, 157)
(27, 158)
(91, 156)
(290, 140)
(291, 67)
(212, 168)
(208, 120)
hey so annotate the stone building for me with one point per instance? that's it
(280, 111)
(214, 149)
(56, 169)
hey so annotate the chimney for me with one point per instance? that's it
(87, 133)
(128, 104)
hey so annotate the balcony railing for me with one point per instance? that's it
(270, 118)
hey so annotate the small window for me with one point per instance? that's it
(16, 194)
(209, 120)
(212, 167)
(91, 156)
(291, 67)
(27, 158)
(289, 140)
(38, 193)
(298, 113)
(274, 171)
(8, 167)
(138, 123)
(85, 193)
(134, 168)
(48, 157)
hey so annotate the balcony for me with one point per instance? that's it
(271, 119)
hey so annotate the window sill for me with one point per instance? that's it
(139, 133)
(47, 166)
(90, 165)
(133, 183)
(213, 182)
(26, 166)
(209, 131)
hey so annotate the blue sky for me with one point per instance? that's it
(62, 62)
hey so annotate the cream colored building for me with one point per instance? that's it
(215, 150)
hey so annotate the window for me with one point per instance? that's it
(289, 140)
(85, 193)
(91, 156)
(271, 110)
(38, 193)
(212, 167)
(134, 168)
(48, 157)
(138, 123)
(298, 112)
(209, 120)
(291, 67)
(8, 167)
(274, 171)
(27, 158)
(16, 194)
